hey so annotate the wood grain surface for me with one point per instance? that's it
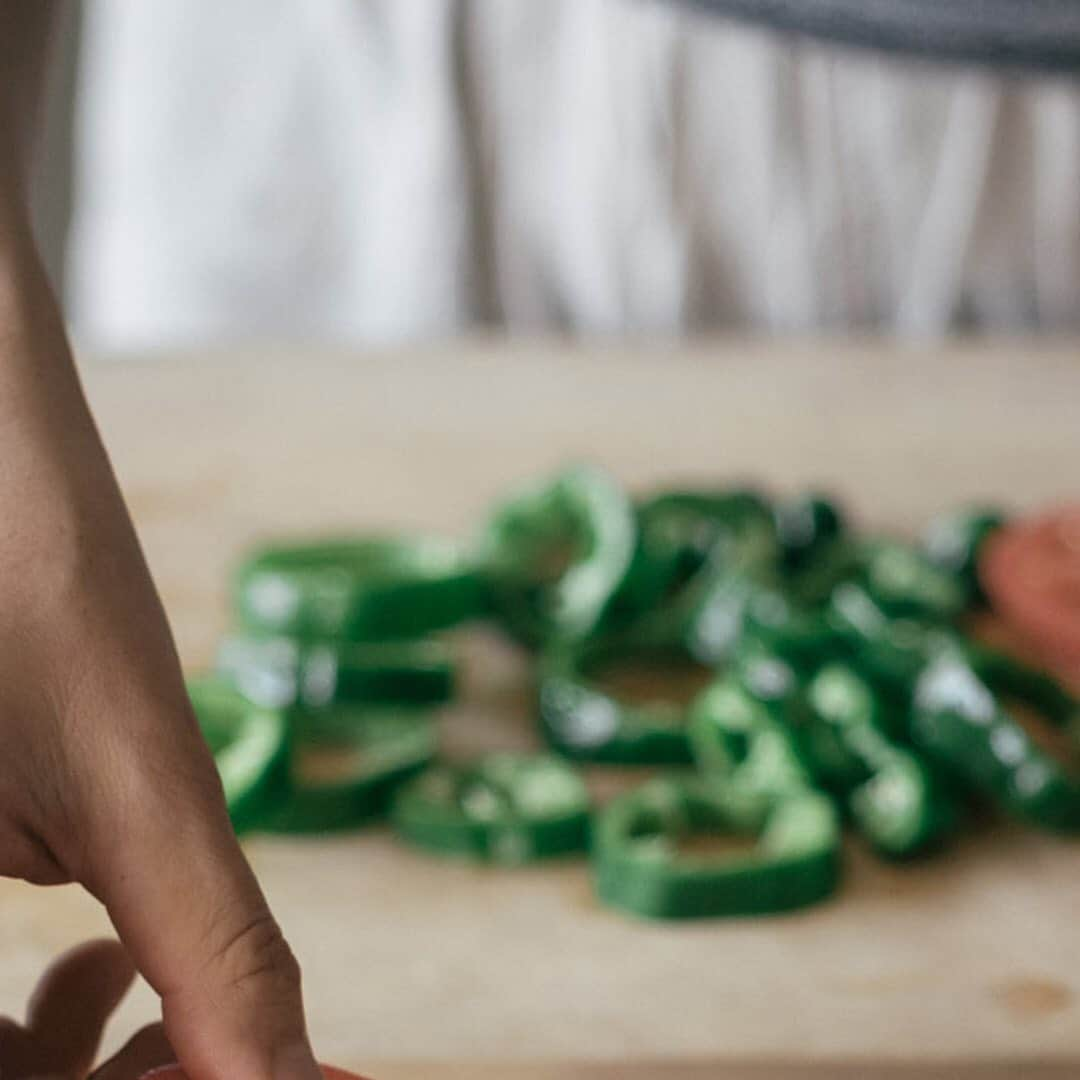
(972, 957)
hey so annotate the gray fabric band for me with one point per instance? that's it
(1039, 34)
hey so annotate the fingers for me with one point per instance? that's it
(23, 855)
(18, 1051)
(187, 905)
(74, 999)
(147, 1049)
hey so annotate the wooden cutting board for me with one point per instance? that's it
(721, 1071)
(973, 957)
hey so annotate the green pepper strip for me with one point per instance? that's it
(802, 636)
(1009, 677)
(890, 652)
(957, 719)
(906, 584)
(894, 799)
(357, 589)
(954, 541)
(743, 731)
(346, 763)
(507, 808)
(715, 550)
(556, 554)
(808, 528)
(286, 672)
(639, 867)
(586, 723)
(250, 747)
(681, 531)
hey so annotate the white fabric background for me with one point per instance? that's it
(371, 170)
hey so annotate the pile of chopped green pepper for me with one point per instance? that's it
(836, 683)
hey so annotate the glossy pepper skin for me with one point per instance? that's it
(905, 583)
(894, 799)
(753, 782)
(283, 672)
(250, 744)
(800, 635)
(585, 722)
(1011, 678)
(638, 864)
(808, 526)
(958, 720)
(358, 589)
(346, 763)
(744, 731)
(889, 652)
(827, 729)
(719, 544)
(555, 555)
(954, 541)
(506, 808)
(683, 532)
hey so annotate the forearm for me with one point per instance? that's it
(36, 374)
(25, 37)
(52, 465)
(80, 617)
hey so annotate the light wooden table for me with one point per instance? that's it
(972, 957)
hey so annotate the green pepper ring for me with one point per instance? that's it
(957, 719)
(742, 731)
(706, 552)
(954, 543)
(905, 583)
(1008, 677)
(795, 862)
(357, 589)
(250, 744)
(286, 673)
(585, 723)
(400, 741)
(494, 810)
(572, 606)
(897, 805)
(681, 532)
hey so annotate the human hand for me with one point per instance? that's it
(105, 779)
(66, 1016)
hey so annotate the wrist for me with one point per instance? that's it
(25, 294)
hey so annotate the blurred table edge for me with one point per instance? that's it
(703, 1070)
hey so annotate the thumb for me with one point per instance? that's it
(165, 862)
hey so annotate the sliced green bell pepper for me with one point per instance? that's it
(644, 861)
(904, 583)
(585, 720)
(506, 808)
(250, 746)
(743, 731)
(953, 541)
(287, 672)
(959, 721)
(345, 764)
(895, 800)
(556, 554)
(361, 589)
(808, 527)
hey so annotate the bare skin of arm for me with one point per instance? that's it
(104, 778)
